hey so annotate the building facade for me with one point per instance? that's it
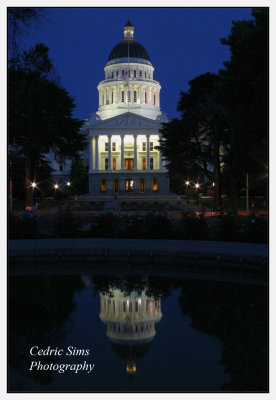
(124, 132)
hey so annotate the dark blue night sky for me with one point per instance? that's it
(182, 43)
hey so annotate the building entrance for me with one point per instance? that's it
(129, 185)
(129, 163)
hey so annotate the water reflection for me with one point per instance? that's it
(130, 321)
(211, 336)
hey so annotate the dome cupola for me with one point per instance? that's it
(128, 48)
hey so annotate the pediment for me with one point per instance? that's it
(127, 120)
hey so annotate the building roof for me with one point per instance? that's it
(128, 23)
(135, 49)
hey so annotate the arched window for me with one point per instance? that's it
(135, 74)
(123, 96)
(145, 74)
(128, 96)
(146, 97)
(140, 73)
(135, 96)
(112, 98)
(154, 99)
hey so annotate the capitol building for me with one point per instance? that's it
(124, 133)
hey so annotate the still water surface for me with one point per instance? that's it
(142, 333)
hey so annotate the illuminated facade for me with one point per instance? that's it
(124, 132)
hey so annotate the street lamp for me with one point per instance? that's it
(187, 183)
(68, 184)
(33, 185)
(197, 187)
(56, 186)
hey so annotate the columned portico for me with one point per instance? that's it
(125, 131)
(148, 153)
(135, 152)
(122, 152)
(109, 153)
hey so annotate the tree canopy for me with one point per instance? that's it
(40, 111)
(224, 116)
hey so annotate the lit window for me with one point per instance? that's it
(128, 96)
(154, 185)
(123, 96)
(144, 163)
(105, 146)
(114, 164)
(135, 95)
(106, 163)
(134, 74)
(114, 146)
(151, 146)
(144, 146)
(146, 97)
(151, 163)
(103, 185)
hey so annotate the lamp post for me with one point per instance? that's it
(33, 185)
(197, 187)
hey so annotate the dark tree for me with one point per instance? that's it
(193, 143)
(40, 113)
(20, 19)
(79, 177)
(244, 85)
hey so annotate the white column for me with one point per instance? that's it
(96, 153)
(122, 152)
(160, 158)
(148, 153)
(109, 153)
(91, 154)
(135, 152)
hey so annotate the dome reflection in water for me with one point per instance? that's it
(130, 324)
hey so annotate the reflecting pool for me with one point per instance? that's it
(135, 333)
